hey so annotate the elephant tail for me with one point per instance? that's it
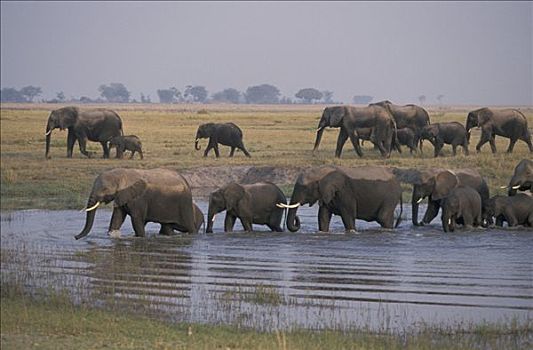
(399, 219)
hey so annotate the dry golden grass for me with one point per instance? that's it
(281, 136)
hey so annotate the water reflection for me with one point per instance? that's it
(385, 280)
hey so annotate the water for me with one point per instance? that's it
(387, 280)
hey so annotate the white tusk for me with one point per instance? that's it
(504, 186)
(198, 139)
(317, 130)
(420, 200)
(213, 219)
(280, 205)
(48, 132)
(290, 206)
(449, 221)
(93, 207)
(515, 187)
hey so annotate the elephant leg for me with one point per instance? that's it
(510, 217)
(431, 212)
(492, 142)
(138, 225)
(485, 137)
(243, 149)
(229, 222)
(82, 141)
(512, 142)
(210, 145)
(454, 149)
(341, 140)
(324, 218)
(232, 151)
(105, 148)
(275, 221)
(246, 224)
(438, 148)
(386, 217)
(499, 220)
(141, 154)
(117, 219)
(465, 148)
(71, 140)
(355, 143)
(348, 219)
(166, 230)
(527, 139)
(217, 152)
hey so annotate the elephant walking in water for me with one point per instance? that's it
(510, 123)
(99, 125)
(369, 193)
(349, 119)
(250, 203)
(227, 134)
(155, 195)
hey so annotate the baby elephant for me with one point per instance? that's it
(227, 134)
(252, 204)
(516, 210)
(407, 137)
(452, 133)
(464, 203)
(126, 143)
(168, 230)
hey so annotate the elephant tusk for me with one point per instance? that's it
(515, 187)
(317, 130)
(504, 187)
(420, 200)
(93, 207)
(290, 206)
(48, 132)
(213, 219)
(449, 221)
(198, 139)
(281, 205)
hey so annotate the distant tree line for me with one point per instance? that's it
(257, 94)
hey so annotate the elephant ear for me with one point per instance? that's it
(444, 183)
(130, 193)
(68, 117)
(335, 116)
(329, 186)
(433, 130)
(233, 193)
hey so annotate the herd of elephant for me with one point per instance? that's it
(369, 193)
(386, 125)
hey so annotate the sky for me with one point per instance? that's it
(473, 53)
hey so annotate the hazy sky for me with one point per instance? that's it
(471, 52)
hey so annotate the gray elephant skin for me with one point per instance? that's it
(522, 179)
(369, 193)
(227, 134)
(463, 204)
(436, 184)
(516, 210)
(156, 195)
(510, 123)
(250, 203)
(452, 133)
(349, 118)
(407, 137)
(130, 143)
(98, 125)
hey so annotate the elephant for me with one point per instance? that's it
(463, 204)
(522, 178)
(409, 116)
(251, 203)
(367, 134)
(370, 193)
(126, 143)
(227, 134)
(452, 133)
(168, 229)
(99, 125)
(349, 118)
(407, 137)
(516, 210)
(437, 184)
(154, 195)
(510, 123)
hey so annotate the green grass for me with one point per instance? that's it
(56, 323)
(279, 136)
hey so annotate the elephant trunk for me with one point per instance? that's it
(514, 185)
(293, 221)
(89, 220)
(319, 133)
(196, 145)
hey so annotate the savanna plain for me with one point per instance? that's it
(276, 136)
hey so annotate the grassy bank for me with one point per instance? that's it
(55, 323)
(280, 136)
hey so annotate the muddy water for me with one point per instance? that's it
(377, 279)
